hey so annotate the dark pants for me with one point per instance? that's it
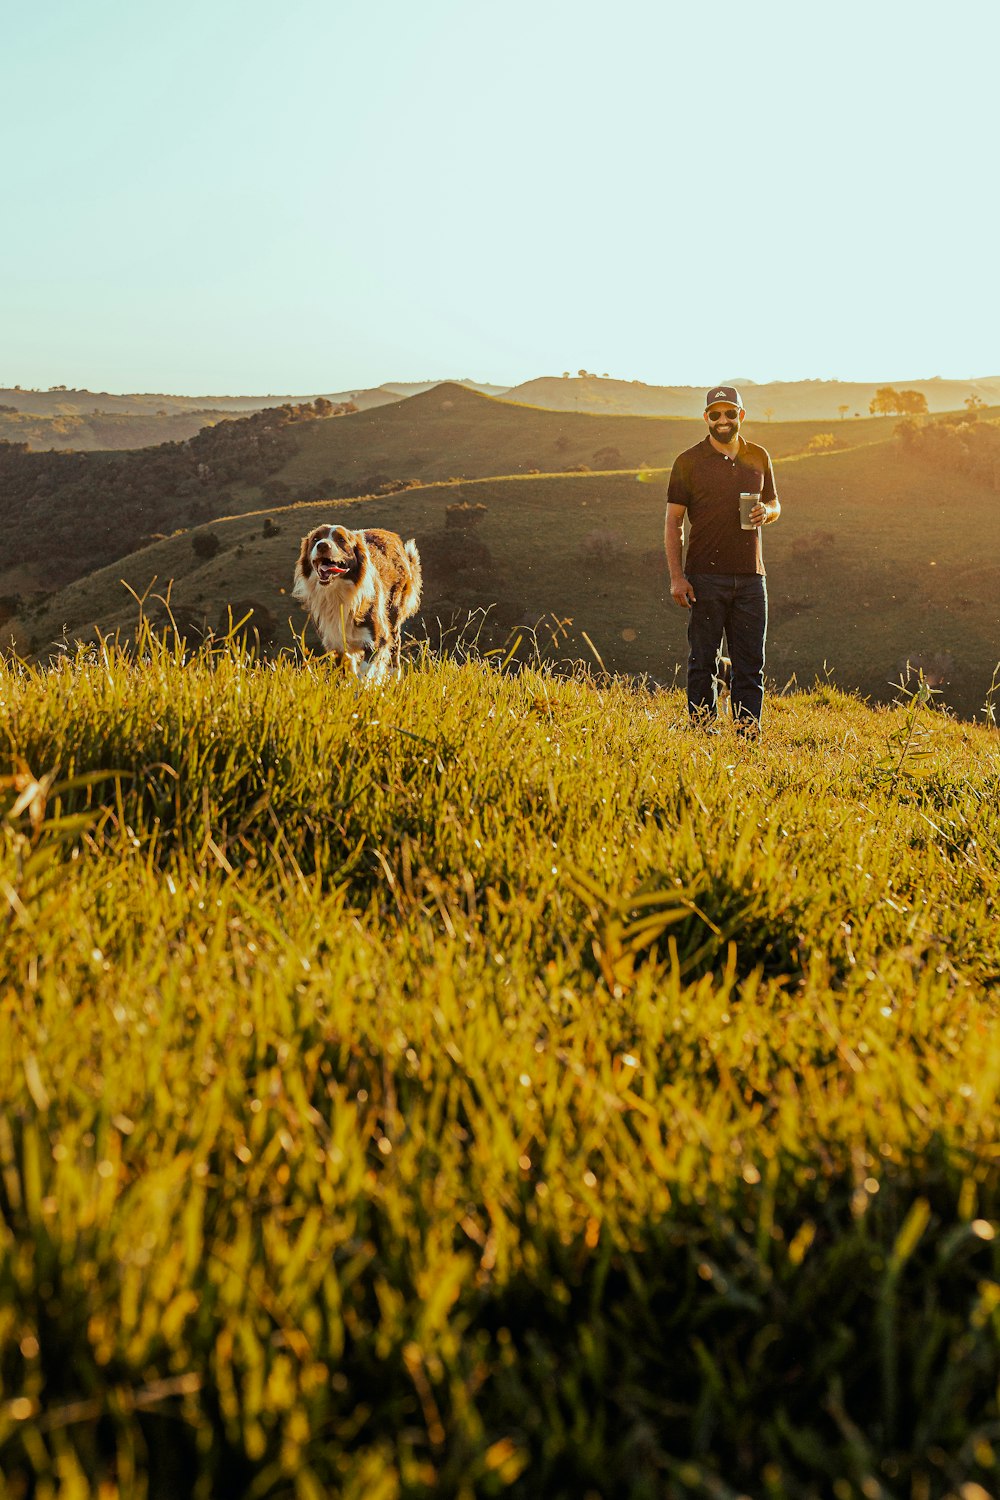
(733, 605)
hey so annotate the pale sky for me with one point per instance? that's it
(245, 196)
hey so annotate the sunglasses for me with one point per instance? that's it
(717, 416)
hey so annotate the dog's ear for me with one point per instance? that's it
(305, 566)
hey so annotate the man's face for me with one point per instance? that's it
(724, 420)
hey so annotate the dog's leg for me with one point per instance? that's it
(373, 670)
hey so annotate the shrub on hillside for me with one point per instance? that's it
(464, 515)
(205, 544)
(962, 442)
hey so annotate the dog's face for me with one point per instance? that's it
(331, 552)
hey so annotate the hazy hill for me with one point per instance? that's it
(867, 569)
(83, 420)
(414, 387)
(68, 401)
(101, 431)
(802, 400)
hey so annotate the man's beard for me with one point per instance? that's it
(724, 432)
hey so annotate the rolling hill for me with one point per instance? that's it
(288, 454)
(450, 432)
(867, 570)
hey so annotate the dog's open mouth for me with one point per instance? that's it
(326, 569)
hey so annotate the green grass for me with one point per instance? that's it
(486, 1087)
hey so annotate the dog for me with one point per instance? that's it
(358, 588)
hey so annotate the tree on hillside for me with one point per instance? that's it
(885, 402)
(843, 409)
(974, 405)
(769, 412)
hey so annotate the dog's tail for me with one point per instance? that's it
(411, 599)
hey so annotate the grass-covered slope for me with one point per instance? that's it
(486, 1087)
(451, 432)
(879, 558)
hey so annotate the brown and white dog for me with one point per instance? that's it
(359, 587)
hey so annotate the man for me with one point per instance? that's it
(722, 579)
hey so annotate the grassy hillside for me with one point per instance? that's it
(486, 1087)
(449, 432)
(867, 568)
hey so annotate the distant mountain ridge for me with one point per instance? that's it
(64, 419)
(66, 401)
(782, 401)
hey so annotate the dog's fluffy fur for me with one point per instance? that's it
(359, 587)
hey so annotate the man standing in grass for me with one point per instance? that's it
(722, 579)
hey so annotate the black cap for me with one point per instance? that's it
(724, 393)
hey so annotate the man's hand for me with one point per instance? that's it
(762, 513)
(682, 592)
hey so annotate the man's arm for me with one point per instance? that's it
(770, 506)
(680, 588)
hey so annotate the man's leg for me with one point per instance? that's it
(706, 626)
(746, 634)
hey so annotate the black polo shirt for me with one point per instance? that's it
(709, 484)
